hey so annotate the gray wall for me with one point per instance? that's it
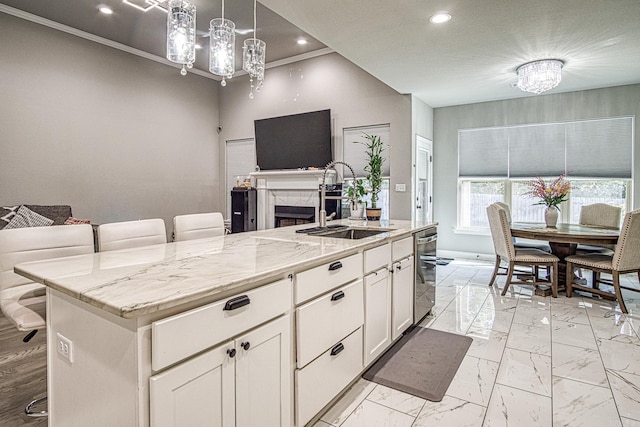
(329, 81)
(115, 136)
(590, 104)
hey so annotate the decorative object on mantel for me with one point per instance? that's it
(253, 57)
(181, 34)
(374, 148)
(539, 76)
(550, 195)
(222, 45)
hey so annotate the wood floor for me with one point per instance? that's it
(23, 374)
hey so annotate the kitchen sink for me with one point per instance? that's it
(344, 232)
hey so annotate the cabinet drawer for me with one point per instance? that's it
(377, 257)
(325, 377)
(322, 322)
(402, 248)
(325, 277)
(179, 336)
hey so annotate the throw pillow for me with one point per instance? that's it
(6, 214)
(25, 217)
(71, 220)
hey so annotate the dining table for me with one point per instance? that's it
(564, 239)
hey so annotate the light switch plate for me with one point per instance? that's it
(401, 187)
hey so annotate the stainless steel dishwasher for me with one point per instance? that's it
(425, 266)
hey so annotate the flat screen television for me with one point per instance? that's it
(295, 141)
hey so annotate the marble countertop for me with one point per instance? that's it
(136, 282)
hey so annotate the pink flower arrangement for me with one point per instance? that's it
(550, 195)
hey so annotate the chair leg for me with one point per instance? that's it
(554, 284)
(509, 277)
(30, 412)
(570, 277)
(595, 277)
(616, 286)
(495, 271)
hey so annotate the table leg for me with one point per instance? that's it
(562, 250)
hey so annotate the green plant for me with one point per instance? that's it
(373, 149)
(357, 190)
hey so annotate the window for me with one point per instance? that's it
(495, 164)
(476, 195)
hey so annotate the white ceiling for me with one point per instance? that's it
(470, 59)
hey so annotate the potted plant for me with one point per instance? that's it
(357, 192)
(373, 149)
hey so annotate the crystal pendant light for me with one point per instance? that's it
(181, 34)
(222, 43)
(539, 76)
(253, 57)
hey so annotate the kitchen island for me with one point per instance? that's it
(240, 330)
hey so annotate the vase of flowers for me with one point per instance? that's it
(550, 195)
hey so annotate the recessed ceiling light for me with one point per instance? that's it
(103, 8)
(302, 41)
(440, 18)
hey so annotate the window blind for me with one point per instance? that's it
(600, 148)
(483, 152)
(590, 148)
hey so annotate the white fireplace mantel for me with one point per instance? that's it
(288, 187)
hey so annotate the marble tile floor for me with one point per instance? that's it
(534, 361)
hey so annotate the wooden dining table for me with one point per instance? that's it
(564, 239)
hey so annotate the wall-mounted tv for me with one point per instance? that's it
(295, 141)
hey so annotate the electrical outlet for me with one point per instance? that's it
(401, 187)
(65, 347)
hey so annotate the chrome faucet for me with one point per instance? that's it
(323, 195)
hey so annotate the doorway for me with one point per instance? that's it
(423, 184)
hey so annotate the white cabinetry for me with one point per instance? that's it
(377, 302)
(328, 333)
(402, 296)
(402, 286)
(244, 381)
(377, 291)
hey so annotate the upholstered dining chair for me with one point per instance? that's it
(505, 251)
(625, 259)
(599, 215)
(22, 301)
(519, 244)
(197, 226)
(131, 234)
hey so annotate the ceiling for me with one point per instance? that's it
(470, 59)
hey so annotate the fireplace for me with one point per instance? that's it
(288, 188)
(285, 216)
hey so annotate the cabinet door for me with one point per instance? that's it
(377, 312)
(402, 297)
(263, 376)
(198, 392)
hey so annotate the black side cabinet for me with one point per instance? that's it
(243, 210)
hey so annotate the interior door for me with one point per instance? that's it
(423, 184)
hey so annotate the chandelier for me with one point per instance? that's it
(222, 44)
(539, 76)
(181, 34)
(253, 57)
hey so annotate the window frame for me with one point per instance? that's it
(565, 207)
